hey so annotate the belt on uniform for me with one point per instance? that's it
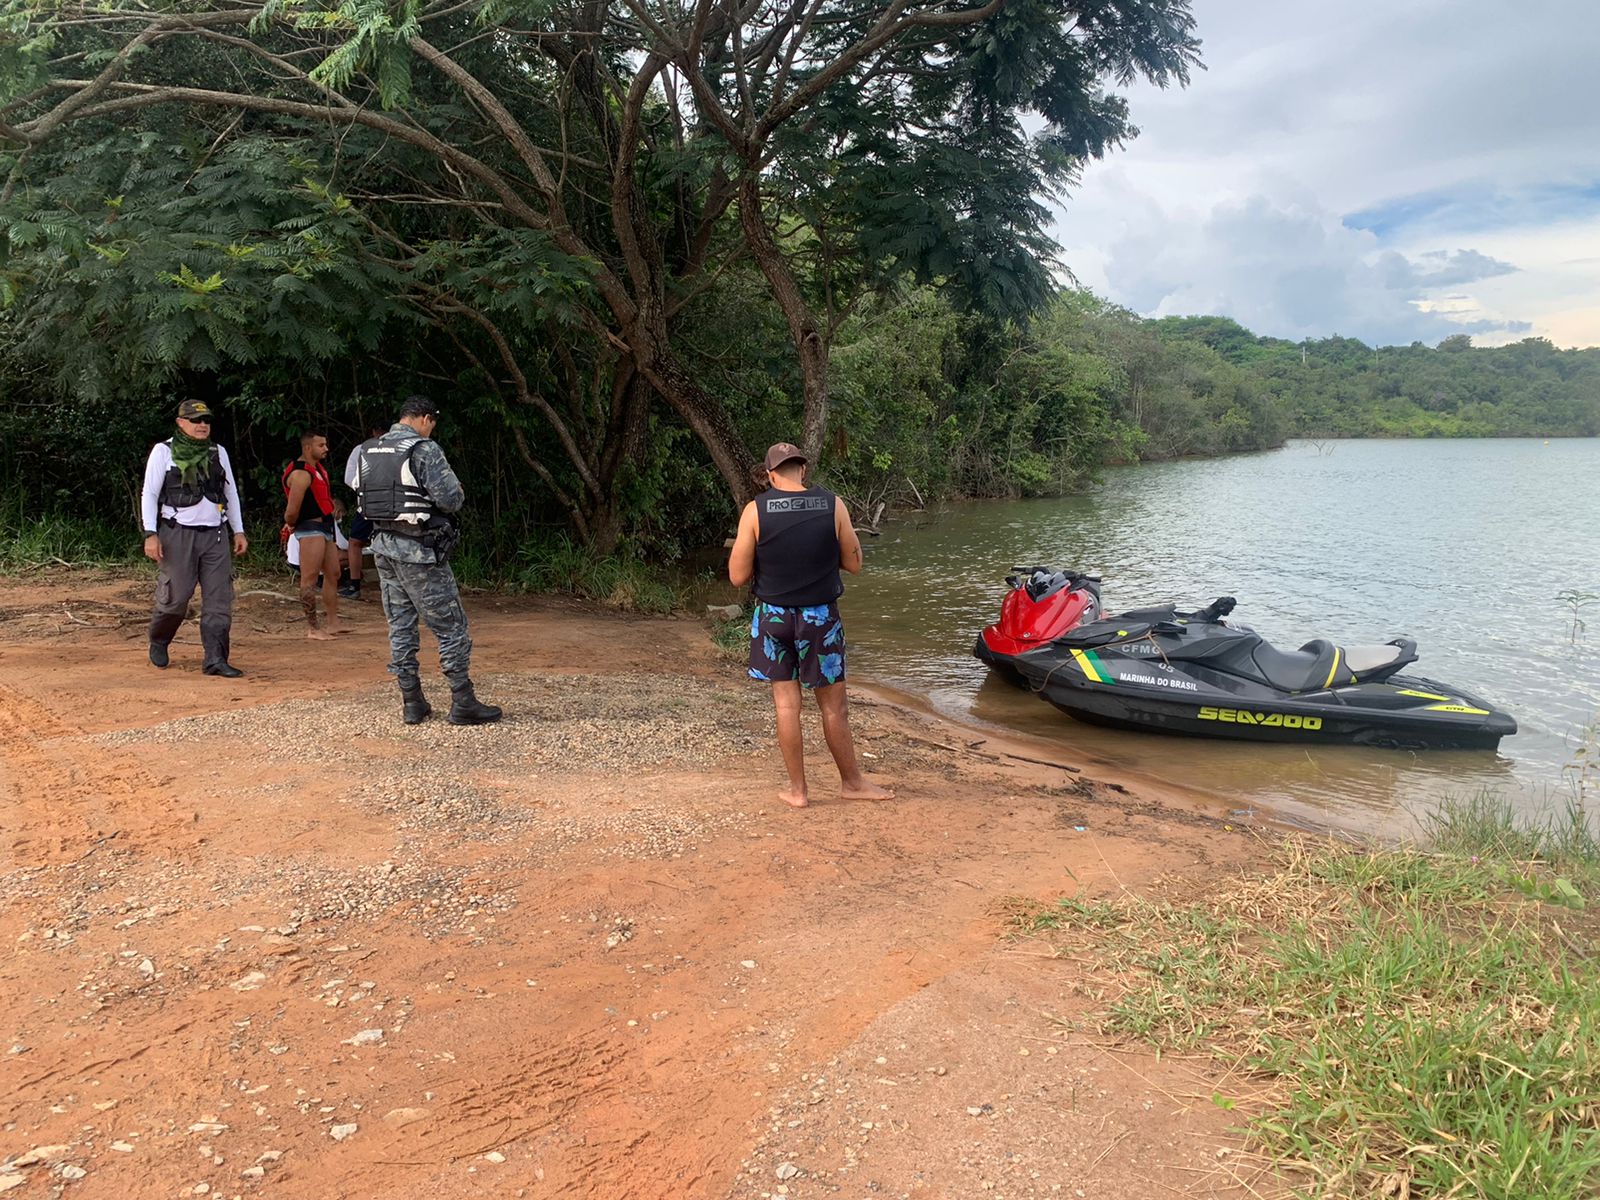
(172, 523)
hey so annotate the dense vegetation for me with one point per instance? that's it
(928, 403)
(627, 245)
(1339, 387)
(625, 238)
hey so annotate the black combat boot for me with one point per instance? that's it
(414, 705)
(466, 709)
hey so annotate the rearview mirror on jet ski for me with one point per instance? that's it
(1216, 610)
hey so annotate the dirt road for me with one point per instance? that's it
(262, 938)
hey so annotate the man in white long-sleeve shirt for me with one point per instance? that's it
(189, 491)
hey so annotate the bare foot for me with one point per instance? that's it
(319, 635)
(794, 797)
(337, 628)
(863, 789)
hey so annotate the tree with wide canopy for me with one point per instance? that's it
(553, 185)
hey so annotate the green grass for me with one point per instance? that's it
(29, 540)
(618, 580)
(1488, 826)
(732, 638)
(1418, 1023)
(1069, 912)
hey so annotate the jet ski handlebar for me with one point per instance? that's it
(1044, 581)
(1069, 575)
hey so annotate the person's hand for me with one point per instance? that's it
(152, 548)
(284, 533)
(240, 545)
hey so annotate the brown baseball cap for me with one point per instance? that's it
(189, 410)
(783, 452)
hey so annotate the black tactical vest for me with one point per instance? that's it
(211, 484)
(387, 491)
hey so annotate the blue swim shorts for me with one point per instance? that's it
(805, 644)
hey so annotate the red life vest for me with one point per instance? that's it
(321, 489)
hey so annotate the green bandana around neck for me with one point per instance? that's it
(192, 456)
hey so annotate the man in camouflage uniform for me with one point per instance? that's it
(407, 489)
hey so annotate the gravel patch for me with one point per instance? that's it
(101, 887)
(422, 801)
(639, 745)
(439, 898)
(552, 723)
(654, 831)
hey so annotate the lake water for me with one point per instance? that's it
(1463, 545)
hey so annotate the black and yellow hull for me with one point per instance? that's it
(1185, 699)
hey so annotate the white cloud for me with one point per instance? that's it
(1555, 285)
(1290, 268)
(1390, 172)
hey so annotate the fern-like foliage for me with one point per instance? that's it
(376, 41)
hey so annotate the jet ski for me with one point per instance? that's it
(1193, 673)
(1043, 604)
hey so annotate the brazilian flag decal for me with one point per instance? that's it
(1093, 669)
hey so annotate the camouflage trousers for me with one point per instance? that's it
(417, 592)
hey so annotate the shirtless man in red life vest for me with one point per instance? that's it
(308, 517)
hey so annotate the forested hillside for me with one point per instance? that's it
(1339, 387)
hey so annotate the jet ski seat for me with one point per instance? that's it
(1320, 664)
(1308, 669)
(1144, 616)
(1379, 662)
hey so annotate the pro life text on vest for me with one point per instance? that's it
(797, 548)
(800, 504)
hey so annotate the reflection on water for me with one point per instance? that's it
(1461, 545)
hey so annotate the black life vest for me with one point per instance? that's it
(211, 484)
(387, 491)
(797, 552)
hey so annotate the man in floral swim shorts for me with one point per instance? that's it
(793, 541)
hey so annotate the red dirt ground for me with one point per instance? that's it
(604, 961)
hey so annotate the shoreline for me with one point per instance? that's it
(983, 739)
(127, 581)
(1208, 801)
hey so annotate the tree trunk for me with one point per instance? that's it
(604, 526)
(813, 350)
(810, 335)
(626, 423)
(710, 423)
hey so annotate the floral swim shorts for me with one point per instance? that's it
(797, 643)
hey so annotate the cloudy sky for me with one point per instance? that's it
(1393, 170)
